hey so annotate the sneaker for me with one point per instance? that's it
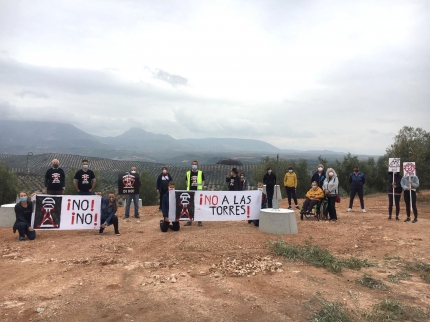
(289, 207)
(118, 234)
(407, 219)
(249, 221)
(349, 209)
(199, 223)
(397, 218)
(188, 223)
(297, 207)
(363, 210)
(125, 217)
(415, 220)
(389, 218)
(20, 238)
(136, 216)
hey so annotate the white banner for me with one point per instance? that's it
(394, 165)
(214, 205)
(409, 169)
(66, 212)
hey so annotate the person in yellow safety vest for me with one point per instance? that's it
(195, 181)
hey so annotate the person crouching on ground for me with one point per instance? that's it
(164, 223)
(256, 222)
(313, 197)
(108, 210)
(331, 190)
(23, 210)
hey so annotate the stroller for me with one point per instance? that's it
(319, 211)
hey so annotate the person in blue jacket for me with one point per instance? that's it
(108, 210)
(164, 223)
(356, 183)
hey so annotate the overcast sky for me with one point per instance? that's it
(339, 75)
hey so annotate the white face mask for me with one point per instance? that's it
(320, 169)
(194, 166)
(260, 189)
(330, 174)
(314, 187)
(290, 171)
(133, 171)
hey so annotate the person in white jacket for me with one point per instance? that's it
(331, 190)
(410, 183)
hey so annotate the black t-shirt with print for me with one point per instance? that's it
(193, 179)
(84, 180)
(55, 179)
(234, 183)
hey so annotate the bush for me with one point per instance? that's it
(9, 185)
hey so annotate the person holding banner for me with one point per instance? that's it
(84, 180)
(23, 211)
(409, 184)
(256, 222)
(195, 181)
(331, 190)
(164, 223)
(108, 210)
(269, 180)
(55, 179)
(163, 181)
(394, 189)
(233, 180)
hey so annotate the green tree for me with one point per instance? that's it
(303, 178)
(148, 192)
(70, 189)
(413, 144)
(9, 185)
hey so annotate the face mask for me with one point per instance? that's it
(164, 171)
(194, 166)
(260, 189)
(133, 171)
(23, 199)
(171, 188)
(270, 171)
(112, 199)
(85, 166)
(55, 166)
(330, 174)
(242, 177)
(290, 171)
(314, 187)
(320, 169)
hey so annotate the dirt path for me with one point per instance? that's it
(190, 275)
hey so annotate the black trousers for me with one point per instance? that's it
(269, 192)
(407, 197)
(309, 204)
(331, 205)
(390, 204)
(114, 222)
(291, 193)
(352, 194)
(162, 193)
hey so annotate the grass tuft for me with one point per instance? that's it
(316, 256)
(329, 312)
(372, 283)
(392, 310)
(403, 275)
(422, 268)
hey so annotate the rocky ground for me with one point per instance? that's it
(223, 271)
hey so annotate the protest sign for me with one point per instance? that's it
(128, 183)
(409, 169)
(394, 165)
(66, 212)
(214, 205)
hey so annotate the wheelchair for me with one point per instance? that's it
(319, 211)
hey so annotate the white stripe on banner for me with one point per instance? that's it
(66, 212)
(214, 205)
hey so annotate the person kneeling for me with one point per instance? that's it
(313, 197)
(23, 210)
(108, 210)
(164, 223)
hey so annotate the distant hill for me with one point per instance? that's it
(229, 145)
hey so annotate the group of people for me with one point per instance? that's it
(324, 185)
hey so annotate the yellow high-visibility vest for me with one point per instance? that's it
(199, 180)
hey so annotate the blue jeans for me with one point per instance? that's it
(23, 231)
(128, 199)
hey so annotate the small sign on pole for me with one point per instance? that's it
(394, 165)
(409, 169)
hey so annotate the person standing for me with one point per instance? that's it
(163, 184)
(233, 180)
(195, 181)
(108, 210)
(23, 211)
(165, 223)
(356, 183)
(133, 196)
(409, 185)
(243, 182)
(319, 176)
(331, 190)
(269, 180)
(55, 179)
(290, 183)
(256, 222)
(394, 187)
(84, 180)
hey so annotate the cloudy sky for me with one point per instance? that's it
(340, 75)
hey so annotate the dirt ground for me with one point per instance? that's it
(191, 275)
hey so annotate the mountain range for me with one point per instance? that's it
(21, 137)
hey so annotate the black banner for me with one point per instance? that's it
(47, 213)
(184, 205)
(128, 183)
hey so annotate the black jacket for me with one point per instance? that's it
(397, 178)
(23, 214)
(319, 179)
(269, 179)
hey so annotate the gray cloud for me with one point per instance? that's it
(31, 94)
(173, 80)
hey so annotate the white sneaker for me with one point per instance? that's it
(349, 210)
(363, 210)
